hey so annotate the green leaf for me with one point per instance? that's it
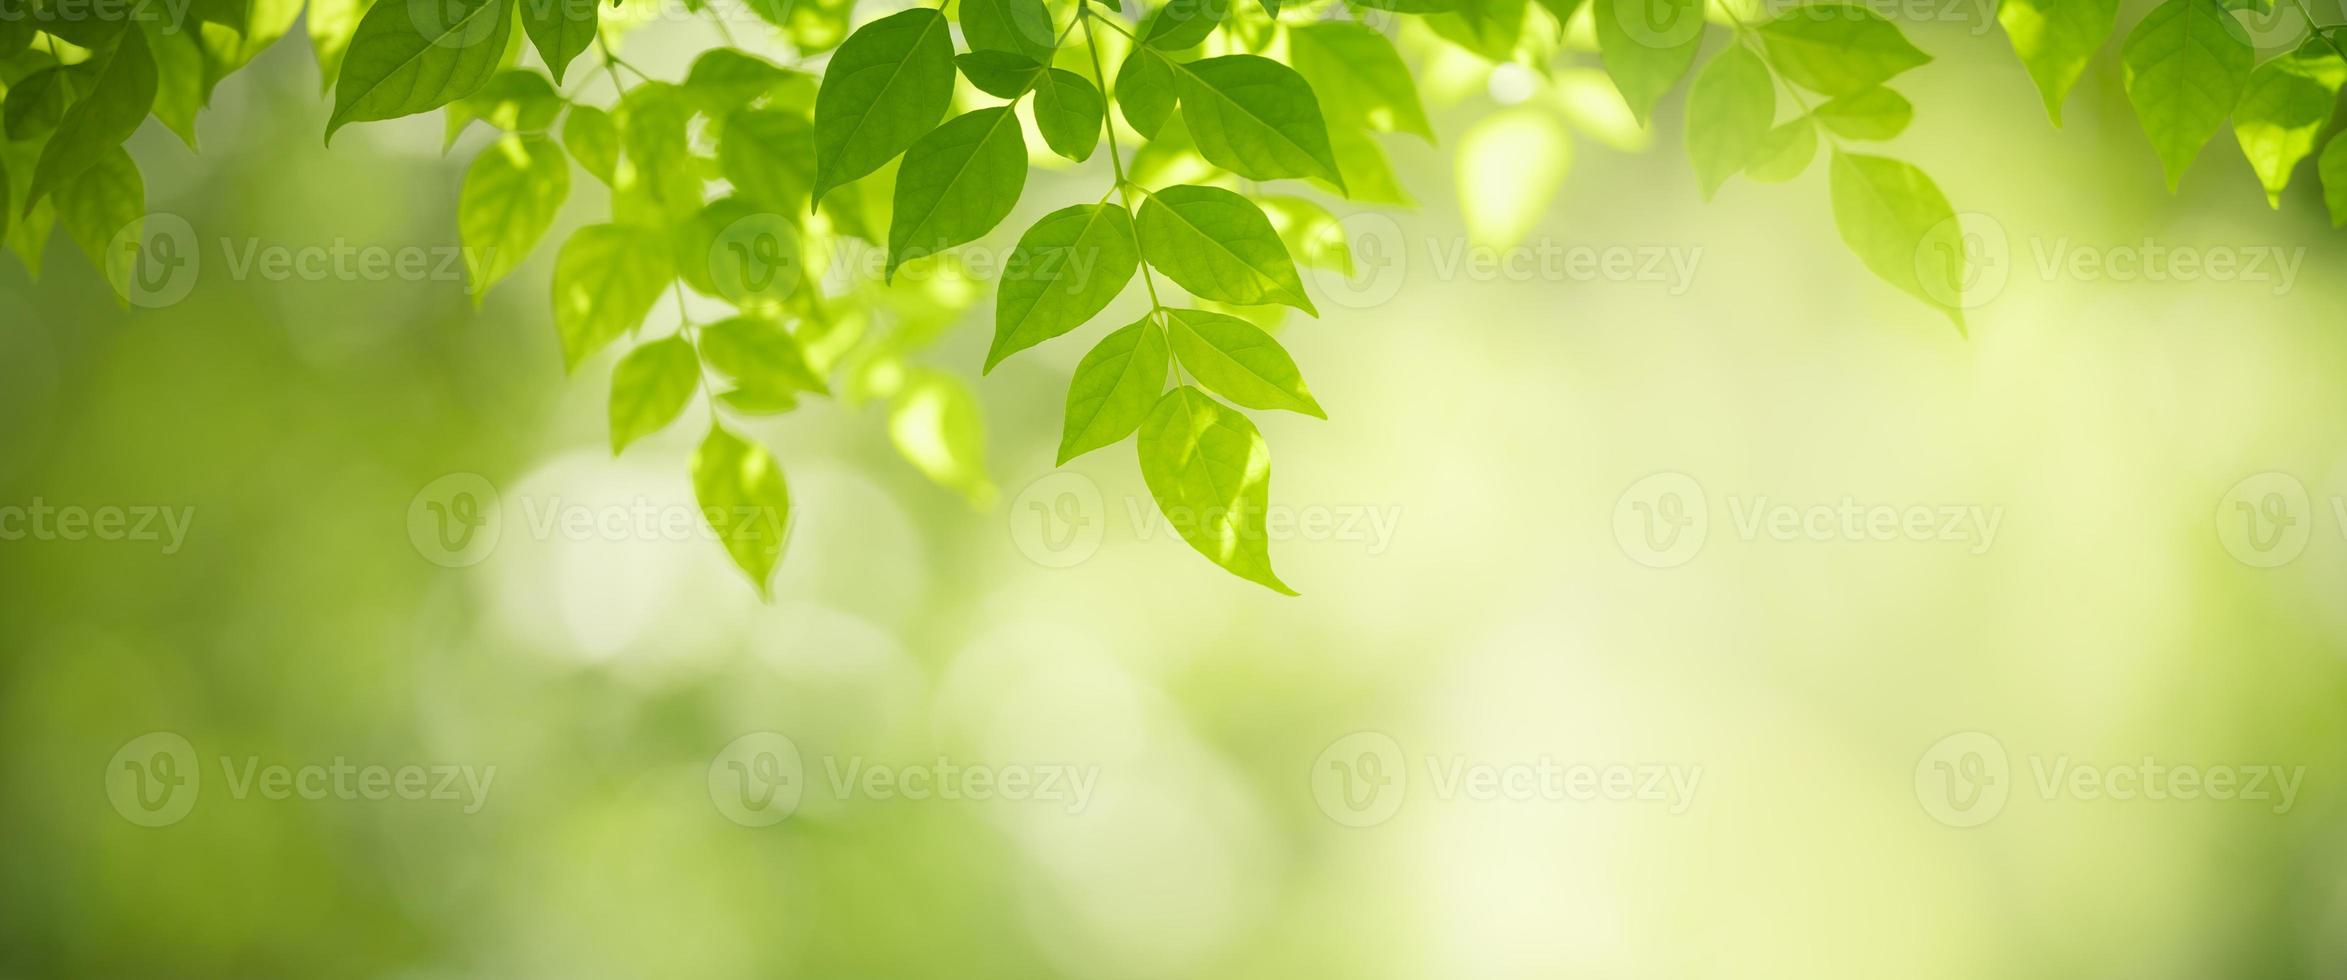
(1113, 389)
(741, 252)
(933, 420)
(650, 388)
(1219, 245)
(1491, 29)
(1069, 111)
(664, 183)
(1256, 118)
(749, 401)
(1018, 26)
(1784, 153)
(2185, 64)
(1145, 91)
(723, 80)
(1181, 24)
(117, 101)
(759, 354)
(2286, 105)
(7, 197)
(1064, 271)
(1002, 74)
(1872, 114)
(1837, 48)
(561, 30)
(1210, 473)
(38, 102)
(515, 100)
(1237, 360)
(769, 156)
(1899, 224)
(2056, 39)
(330, 25)
(744, 499)
(1646, 45)
(888, 84)
(179, 78)
(1369, 177)
(415, 57)
(1359, 77)
(2333, 170)
(593, 140)
(606, 279)
(98, 206)
(239, 30)
(511, 194)
(957, 183)
(1729, 109)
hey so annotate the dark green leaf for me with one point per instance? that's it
(957, 183)
(1145, 91)
(1064, 271)
(1018, 26)
(117, 101)
(1001, 74)
(1069, 111)
(1256, 118)
(885, 87)
(98, 207)
(561, 30)
(415, 57)
(1181, 24)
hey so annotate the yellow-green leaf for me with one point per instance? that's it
(1210, 473)
(1237, 360)
(1219, 245)
(1113, 388)
(2286, 105)
(1063, 271)
(744, 499)
(606, 279)
(2055, 39)
(2185, 66)
(1729, 109)
(1897, 222)
(511, 194)
(650, 387)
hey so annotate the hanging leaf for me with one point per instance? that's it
(2056, 39)
(1064, 271)
(1837, 48)
(1872, 114)
(1210, 473)
(956, 184)
(1219, 245)
(606, 279)
(2285, 106)
(1360, 78)
(1899, 224)
(511, 194)
(416, 57)
(1069, 111)
(1237, 360)
(885, 87)
(2186, 65)
(1113, 388)
(1646, 45)
(117, 101)
(744, 499)
(1256, 118)
(1729, 109)
(650, 387)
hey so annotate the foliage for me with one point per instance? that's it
(914, 132)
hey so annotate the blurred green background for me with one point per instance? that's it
(1502, 618)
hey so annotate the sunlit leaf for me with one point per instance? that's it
(1837, 48)
(117, 100)
(933, 420)
(1647, 45)
(1069, 111)
(2055, 39)
(1360, 78)
(1021, 27)
(1218, 245)
(1145, 91)
(1784, 153)
(769, 155)
(2284, 108)
(1237, 360)
(1002, 74)
(1871, 114)
(1210, 473)
(1897, 222)
(1256, 118)
(591, 138)
(606, 279)
(650, 387)
(744, 499)
(759, 354)
(97, 207)
(511, 194)
(1729, 109)
(1113, 388)
(1509, 167)
(408, 58)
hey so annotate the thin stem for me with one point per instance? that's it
(2318, 29)
(723, 31)
(1116, 162)
(1744, 36)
